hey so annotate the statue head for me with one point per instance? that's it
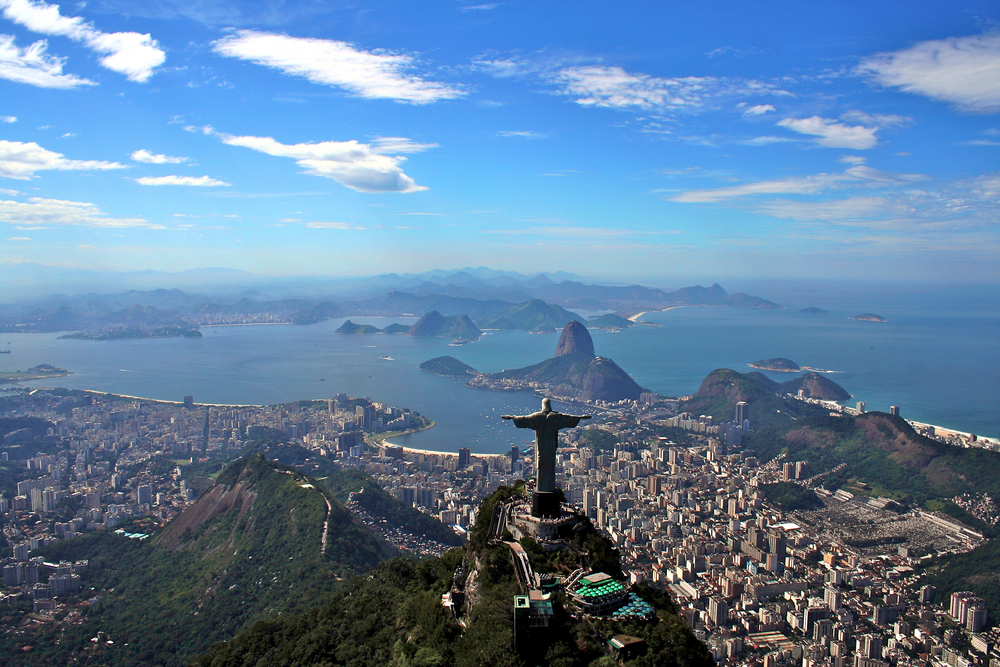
(546, 405)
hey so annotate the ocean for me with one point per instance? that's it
(937, 358)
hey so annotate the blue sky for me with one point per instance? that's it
(641, 141)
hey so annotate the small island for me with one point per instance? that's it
(448, 367)
(350, 327)
(39, 372)
(869, 317)
(778, 364)
(813, 310)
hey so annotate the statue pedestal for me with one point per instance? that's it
(545, 505)
(551, 532)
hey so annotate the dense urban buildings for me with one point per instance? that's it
(831, 585)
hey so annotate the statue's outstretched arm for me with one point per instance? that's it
(506, 416)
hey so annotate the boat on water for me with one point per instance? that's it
(386, 357)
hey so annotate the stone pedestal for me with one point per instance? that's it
(551, 532)
(545, 505)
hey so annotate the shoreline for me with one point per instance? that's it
(385, 438)
(635, 318)
(946, 432)
(431, 452)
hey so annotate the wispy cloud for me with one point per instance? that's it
(21, 160)
(142, 155)
(833, 134)
(386, 145)
(858, 175)
(8, 119)
(523, 134)
(33, 66)
(195, 181)
(369, 74)
(479, 8)
(354, 164)
(964, 71)
(613, 87)
(38, 212)
(765, 141)
(129, 53)
(758, 110)
(595, 84)
(332, 225)
(876, 119)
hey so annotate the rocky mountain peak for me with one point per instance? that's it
(575, 339)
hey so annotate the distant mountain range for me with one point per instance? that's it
(491, 299)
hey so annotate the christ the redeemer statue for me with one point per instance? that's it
(546, 425)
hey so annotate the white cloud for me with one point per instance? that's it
(34, 67)
(350, 163)
(758, 109)
(833, 134)
(142, 155)
(196, 181)
(479, 8)
(18, 238)
(858, 175)
(964, 71)
(852, 159)
(370, 74)
(8, 119)
(39, 212)
(21, 161)
(130, 53)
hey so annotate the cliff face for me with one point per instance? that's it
(575, 339)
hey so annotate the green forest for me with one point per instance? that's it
(393, 616)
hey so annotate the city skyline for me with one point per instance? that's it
(648, 142)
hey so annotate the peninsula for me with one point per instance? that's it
(129, 333)
(576, 372)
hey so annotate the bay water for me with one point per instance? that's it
(938, 360)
